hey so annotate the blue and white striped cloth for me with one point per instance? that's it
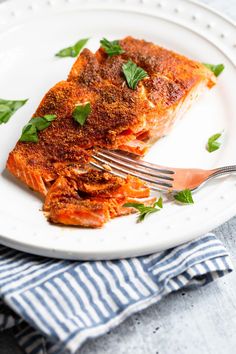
(53, 306)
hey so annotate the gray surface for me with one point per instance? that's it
(200, 321)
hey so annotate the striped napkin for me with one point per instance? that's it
(53, 306)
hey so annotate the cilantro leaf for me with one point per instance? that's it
(133, 74)
(184, 196)
(159, 203)
(216, 69)
(42, 123)
(8, 108)
(29, 133)
(30, 130)
(81, 113)
(145, 212)
(74, 50)
(49, 117)
(212, 143)
(143, 209)
(111, 47)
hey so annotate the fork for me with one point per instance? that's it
(158, 178)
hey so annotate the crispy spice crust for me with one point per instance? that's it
(115, 107)
(164, 62)
(121, 118)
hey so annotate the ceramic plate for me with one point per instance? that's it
(31, 33)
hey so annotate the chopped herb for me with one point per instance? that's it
(8, 108)
(74, 50)
(111, 47)
(81, 113)
(133, 74)
(29, 133)
(159, 203)
(212, 143)
(184, 197)
(42, 123)
(30, 130)
(145, 210)
(216, 69)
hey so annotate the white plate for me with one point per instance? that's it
(31, 32)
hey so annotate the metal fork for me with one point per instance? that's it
(158, 178)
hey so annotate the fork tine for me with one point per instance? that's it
(123, 175)
(144, 176)
(125, 171)
(144, 164)
(131, 166)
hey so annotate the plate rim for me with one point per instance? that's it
(225, 17)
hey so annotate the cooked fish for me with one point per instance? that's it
(92, 198)
(121, 118)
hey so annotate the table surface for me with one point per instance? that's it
(198, 321)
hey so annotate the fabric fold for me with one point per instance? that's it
(54, 306)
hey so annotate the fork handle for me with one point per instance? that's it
(223, 171)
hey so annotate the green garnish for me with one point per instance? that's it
(74, 50)
(133, 74)
(184, 197)
(111, 47)
(81, 113)
(145, 210)
(212, 143)
(216, 69)
(29, 133)
(8, 108)
(159, 203)
(30, 130)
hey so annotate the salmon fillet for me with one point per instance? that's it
(121, 118)
(92, 198)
